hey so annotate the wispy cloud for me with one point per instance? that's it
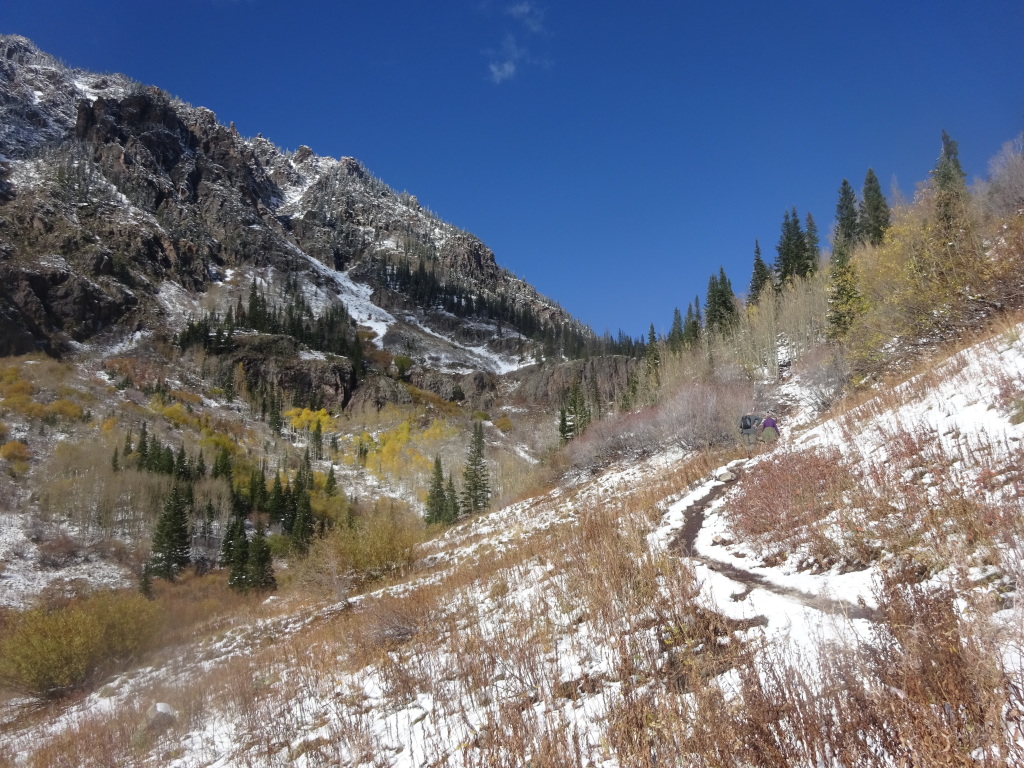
(529, 15)
(505, 62)
(508, 59)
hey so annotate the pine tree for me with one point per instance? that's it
(476, 484)
(812, 248)
(304, 524)
(847, 233)
(238, 575)
(950, 189)
(720, 302)
(451, 500)
(653, 360)
(259, 566)
(115, 462)
(181, 468)
(693, 324)
(792, 248)
(436, 502)
(575, 414)
(675, 334)
(761, 276)
(331, 484)
(874, 217)
(171, 540)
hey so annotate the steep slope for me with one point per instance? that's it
(111, 190)
(567, 629)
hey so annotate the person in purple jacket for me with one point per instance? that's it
(769, 429)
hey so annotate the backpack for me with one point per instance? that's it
(747, 421)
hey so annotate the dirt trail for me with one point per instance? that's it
(685, 542)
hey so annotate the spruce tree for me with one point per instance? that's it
(675, 334)
(259, 566)
(761, 276)
(451, 500)
(238, 575)
(792, 249)
(331, 485)
(437, 506)
(171, 540)
(476, 484)
(653, 361)
(847, 232)
(304, 524)
(812, 248)
(874, 216)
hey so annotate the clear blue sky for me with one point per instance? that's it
(613, 154)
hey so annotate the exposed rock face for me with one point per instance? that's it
(550, 383)
(377, 392)
(276, 360)
(113, 196)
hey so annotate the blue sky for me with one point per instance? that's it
(613, 154)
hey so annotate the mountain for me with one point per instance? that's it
(126, 211)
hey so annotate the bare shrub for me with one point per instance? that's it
(783, 496)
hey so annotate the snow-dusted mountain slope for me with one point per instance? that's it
(644, 616)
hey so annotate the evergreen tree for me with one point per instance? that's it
(259, 566)
(171, 540)
(761, 276)
(812, 248)
(234, 529)
(675, 334)
(847, 233)
(199, 466)
(720, 303)
(222, 465)
(451, 500)
(143, 447)
(950, 189)
(476, 484)
(127, 445)
(576, 412)
(275, 501)
(331, 485)
(653, 359)
(693, 324)
(792, 249)
(181, 468)
(304, 524)
(437, 506)
(238, 575)
(115, 462)
(563, 426)
(874, 217)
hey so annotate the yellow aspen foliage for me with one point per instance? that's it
(303, 418)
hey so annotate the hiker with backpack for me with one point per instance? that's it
(749, 425)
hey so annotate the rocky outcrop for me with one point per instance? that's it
(548, 383)
(378, 391)
(276, 360)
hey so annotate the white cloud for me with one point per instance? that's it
(529, 14)
(502, 71)
(505, 63)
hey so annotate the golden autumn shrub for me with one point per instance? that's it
(49, 653)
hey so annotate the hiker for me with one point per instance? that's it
(749, 424)
(769, 429)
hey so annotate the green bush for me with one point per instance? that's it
(49, 653)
